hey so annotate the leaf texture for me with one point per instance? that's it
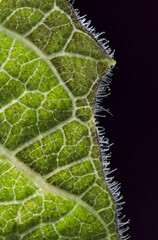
(51, 182)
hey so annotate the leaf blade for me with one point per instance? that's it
(51, 137)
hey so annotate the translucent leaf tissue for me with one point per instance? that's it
(54, 182)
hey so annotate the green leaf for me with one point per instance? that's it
(52, 185)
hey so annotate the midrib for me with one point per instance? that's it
(41, 183)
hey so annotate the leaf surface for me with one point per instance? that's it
(51, 180)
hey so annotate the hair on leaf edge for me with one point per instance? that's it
(102, 92)
(113, 186)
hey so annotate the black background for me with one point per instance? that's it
(132, 28)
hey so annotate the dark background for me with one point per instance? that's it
(132, 28)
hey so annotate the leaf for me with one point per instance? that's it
(51, 179)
